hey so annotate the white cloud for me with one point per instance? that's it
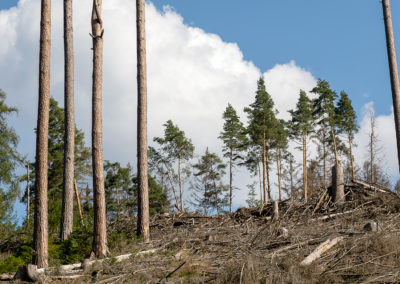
(192, 75)
(385, 131)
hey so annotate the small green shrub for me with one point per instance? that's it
(10, 264)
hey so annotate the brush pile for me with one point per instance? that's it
(316, 241)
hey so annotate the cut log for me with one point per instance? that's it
(276, 210)
(338, 184)
(320, 250)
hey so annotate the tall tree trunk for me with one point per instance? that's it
(394, 76)
(69, 120)
(305, 182)
(180, 183)
(230, 180)
(324, 154)
(278, 168)
(335, 146)
(143, 224)
(78, 201)
(268, 181)
(100, 248)
(216, 196)
(371, 151)
(264, 156)
(40, 232)
(353, 175)
(173, 189)
(259, 181)
(28, 195)
(291, 177)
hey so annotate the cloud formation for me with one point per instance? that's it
(192, 76)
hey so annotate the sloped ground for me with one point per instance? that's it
(251, 247)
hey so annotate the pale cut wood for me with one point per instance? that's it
(276, 210)
(338, 184)
(320, 250)
(40, 231)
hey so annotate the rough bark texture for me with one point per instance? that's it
(78, 201)
(69, 120)
(40, 233)
(394, 76)
(143, 189)
(335, 146)
(100, 248)
(268, 180)
(338, 184)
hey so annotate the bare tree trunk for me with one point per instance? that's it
(324, 153)
(371, 150)
(69, 120)
(143, 187)
(268, 181)
(100, 248)
(230, 180)
(353, 175)
(216, 196)
(291, 177)
(335, 146)
(40, 232)
(173, 189)
(394, 76)
(264, 156)
(259, 181)
(305, 182)
(78, 201)
(278, 168)
(180, 183)
(28, 195)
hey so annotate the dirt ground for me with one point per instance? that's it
(251, 246)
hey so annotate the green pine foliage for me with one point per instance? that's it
(209, 190)
(346, 115)
(9, 161)
(302, 122)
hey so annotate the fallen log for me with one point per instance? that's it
(321, 249)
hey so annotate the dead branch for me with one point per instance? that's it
(321, 249)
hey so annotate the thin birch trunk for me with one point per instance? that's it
(40, 232)
(143, 224)
(100, 248)
(67, 217)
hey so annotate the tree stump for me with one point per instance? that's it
(337, 184)
(276, 210)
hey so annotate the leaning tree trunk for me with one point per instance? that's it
(69, 136)
(100, 248)
(40, 232)
(143, 188)
(394, 76)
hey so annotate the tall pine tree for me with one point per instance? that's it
(234, 137)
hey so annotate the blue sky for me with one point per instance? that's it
(340, 41)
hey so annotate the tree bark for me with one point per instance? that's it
(69, 120)
(78, 201)
(353, 175)
(338, 184)
(268, 181)
(259, 181)
(278, 167)
(28, 195)
(143, 223)
(216, 196)
(230, 180)
(173, 189)
(394, 76)
(264, 169)
(100, 248)
(40, 233)
(335, 146)
(180, 183)
(305, 182)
